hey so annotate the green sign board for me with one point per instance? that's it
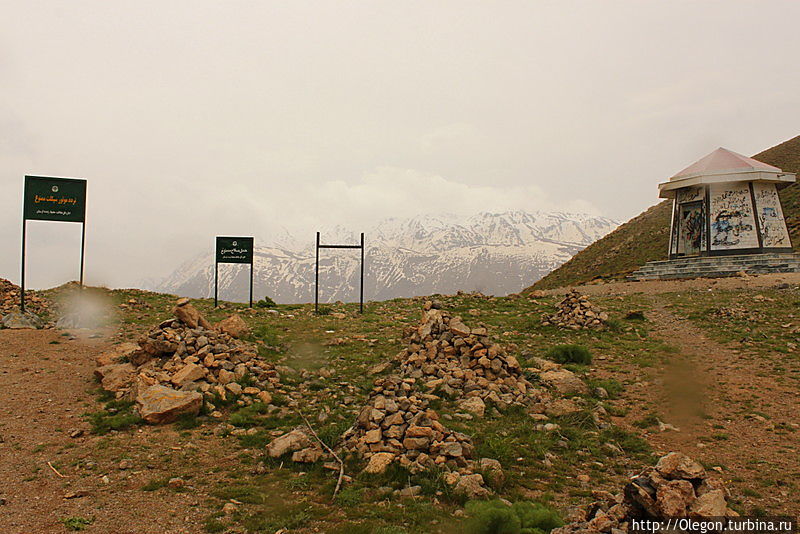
(234, 250)
(54, 199)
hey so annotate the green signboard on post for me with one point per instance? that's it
(47, 198)
(233, 250)
(55, 199)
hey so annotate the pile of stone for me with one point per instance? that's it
(184, 361)
(444, 358)
(676, 487)
(449, 358)
(9, 307)
(576, 312)
(396, 424)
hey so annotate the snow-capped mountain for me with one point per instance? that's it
(495, 253)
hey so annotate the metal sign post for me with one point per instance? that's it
(233, 250)
(52, 199)
(316, 272)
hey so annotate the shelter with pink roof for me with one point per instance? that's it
(727, 204)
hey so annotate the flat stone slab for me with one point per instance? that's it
(19, 320)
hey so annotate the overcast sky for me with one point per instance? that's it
(197, 118)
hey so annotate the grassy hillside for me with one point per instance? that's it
(644, 238)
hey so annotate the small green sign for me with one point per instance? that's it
(234, 250)
(54, 199)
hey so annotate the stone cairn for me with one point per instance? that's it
(184, 361)
(676, 487)
(444, 358)
(456, 361)
(576, 312)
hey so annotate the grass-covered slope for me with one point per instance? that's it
(644, 238)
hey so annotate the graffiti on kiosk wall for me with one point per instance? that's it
(691, 194)
(732, 220)
(770, 216)
(692, 235)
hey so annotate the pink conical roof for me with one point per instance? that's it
(722, 161)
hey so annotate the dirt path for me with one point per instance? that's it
(731, 414)
(654, 287)
(45, 387)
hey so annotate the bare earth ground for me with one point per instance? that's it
(45, 382)
(732, 413)
(654, 287)
(718, 392)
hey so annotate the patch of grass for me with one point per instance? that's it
(350, 496)
(155, 484)
(635, 316)
(497, 517)
(117, 415)
(647, 421)
(612, 386)
(76, 523)
(249, 415)
(213, 525)
(570, 354)
(187, 421)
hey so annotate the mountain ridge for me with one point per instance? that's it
(496, 253)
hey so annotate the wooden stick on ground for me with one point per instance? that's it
(336, 457)
(55, 470)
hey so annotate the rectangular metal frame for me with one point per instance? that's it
(316, 272)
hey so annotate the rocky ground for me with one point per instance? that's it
(430, 404)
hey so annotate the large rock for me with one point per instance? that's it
(471, 487)
(188, 373)
(473, 405)
(234, 326)
(289, 442)
(674, 498)
(159, 404)
(564, 381)
(116, 354)
(19, 320)
(116, 376)
(378, 462)
(562, 407)
(677, 465)
(188, 315)
(711, 504)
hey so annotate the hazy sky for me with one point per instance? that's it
(197, 118)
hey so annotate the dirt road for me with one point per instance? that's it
(45, 382)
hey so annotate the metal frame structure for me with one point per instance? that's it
(316, 272)
(26, 218)
(217, 262)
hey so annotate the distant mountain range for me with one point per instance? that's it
(495, 253)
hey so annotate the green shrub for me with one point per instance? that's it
(496, 517)
(266, 302)
(77, 523)
(570, 354)
(116, 415)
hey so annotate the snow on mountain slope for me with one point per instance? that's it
(495, 253)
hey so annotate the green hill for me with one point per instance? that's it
(644, 238)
